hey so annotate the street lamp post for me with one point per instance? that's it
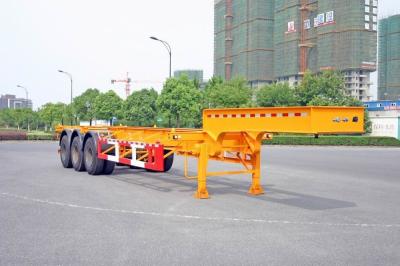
(169, 52)
(70, 77)
(26, 91)
(26, 105)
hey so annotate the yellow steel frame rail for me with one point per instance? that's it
(235, 135)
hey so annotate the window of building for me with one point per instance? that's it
(393, 104)
(374, 27)
(367, 26)
(367, 10)
(366, 17)
(374, 18)
(367, 2)
(375, 2)
(330, 16)
(375, 11)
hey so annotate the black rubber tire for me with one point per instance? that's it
(108, 167)
(77, 155)
(65, 152)
(94, 165)
(167, 163)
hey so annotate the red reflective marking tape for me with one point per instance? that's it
(285, 114)
(216, 116)
(225, 116)
(234, 115)
(102, 156)
(209, 116)
(125, 161)
(155, 159)
(100, 141)
(252, 115)
(273, 115)
(262, 115)
(297, 114)
(243, 115)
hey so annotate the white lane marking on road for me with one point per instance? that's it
(191, 217)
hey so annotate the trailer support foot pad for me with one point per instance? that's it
(201, 194)
(256, 190)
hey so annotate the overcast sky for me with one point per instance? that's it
(100, 40)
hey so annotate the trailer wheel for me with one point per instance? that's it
(77, 155)
(65, 152)
(168, 161)
(94, 165)
(108, 167)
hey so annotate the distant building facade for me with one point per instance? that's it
(9, 101)
(279, 40)
(192, 74)
(389, 59)
(374, 106)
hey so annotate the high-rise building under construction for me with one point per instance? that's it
(389, 59)
(278, 40)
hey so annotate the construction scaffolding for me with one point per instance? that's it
(269, 40)
(244, 40)
(389, 59)
(324, 34)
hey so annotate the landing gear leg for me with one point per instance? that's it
(202, 192)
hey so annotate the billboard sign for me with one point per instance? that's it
(307, 24)
(385, 127)
(291, 27)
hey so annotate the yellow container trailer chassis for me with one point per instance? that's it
(228, 135)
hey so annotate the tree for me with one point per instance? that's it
(19, 116)
(277, 94)
(27, 117)
(234, 93)
(52, 113)
(211, 86)
(83, 104)
(7, 118)
(181, 100)
(141, 107)
(107, 105)
(327, 88)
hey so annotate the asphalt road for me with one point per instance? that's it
(322, 206)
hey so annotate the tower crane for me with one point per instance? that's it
(127, 82)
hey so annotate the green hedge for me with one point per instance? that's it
(12, 135)
(40, 136)
(333, 141)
